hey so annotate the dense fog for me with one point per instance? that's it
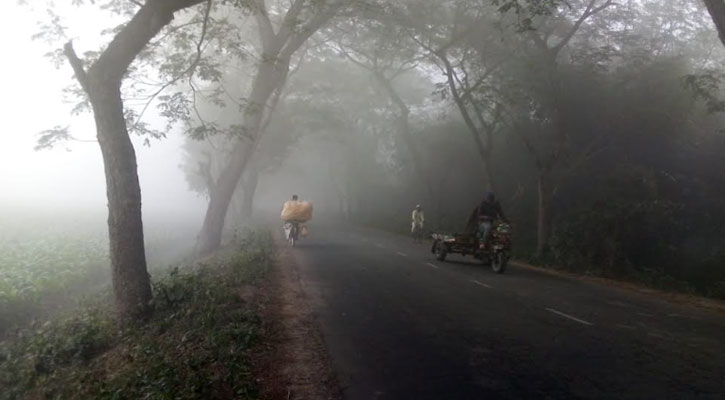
(69, 178)
(579, 116)
(198, 196)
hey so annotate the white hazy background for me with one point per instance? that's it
(69, 177)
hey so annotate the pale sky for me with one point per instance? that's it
(32, 101)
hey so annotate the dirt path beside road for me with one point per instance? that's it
(292, 362)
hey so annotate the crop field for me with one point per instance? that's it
(47, 260)
(46, 253)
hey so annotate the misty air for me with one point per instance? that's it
(362, 199)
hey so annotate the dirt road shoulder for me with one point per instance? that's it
(291, 362)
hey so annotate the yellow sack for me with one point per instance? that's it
(300, 211)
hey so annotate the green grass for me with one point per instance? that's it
(43, 258)
(194, 345)
(48, 260)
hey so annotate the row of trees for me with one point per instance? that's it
(581, 125)
(538, 100)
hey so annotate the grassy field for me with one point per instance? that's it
(195, 344)
(49, 260)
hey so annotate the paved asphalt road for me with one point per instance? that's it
(400, 325)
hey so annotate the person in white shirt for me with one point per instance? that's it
(418, 220)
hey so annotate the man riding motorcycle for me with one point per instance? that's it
(488, 211)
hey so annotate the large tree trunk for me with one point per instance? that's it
(544, 216)
(220, 197)
(717, 12)
(271, 76)
(102, 84)
(249, 186)
(131, 285)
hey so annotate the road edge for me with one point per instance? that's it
(672, 297)
(292, 361)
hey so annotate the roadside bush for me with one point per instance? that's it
(662, 244)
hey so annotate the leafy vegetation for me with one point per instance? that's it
(193, 346)
(678, 255)
(48, 261)
(45, 258)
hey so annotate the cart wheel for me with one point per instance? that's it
(498, 262)
(441, 251)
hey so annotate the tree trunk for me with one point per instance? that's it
(250, 187)
(487, 165)
(717, 12)
(210, 237)
(270, 76)
(407, 136)
(484, 149)
(131, 285)
(102, 84)
(544, 216)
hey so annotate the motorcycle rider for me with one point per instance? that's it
(488, 211)
(417, 222)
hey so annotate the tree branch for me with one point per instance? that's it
(189, 71)
(171, 31)
(77, 65)
(590, 10)
(290, 20)
(451, 76)
(304, 33)
(519, 131)
(145, 24)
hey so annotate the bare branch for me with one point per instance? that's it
(173, 30)
(590, 10)
(313, 25)
(189, 71)
(340, 48)
(452, 78)
(77, 65)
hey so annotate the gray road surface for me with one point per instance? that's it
(400, 325)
